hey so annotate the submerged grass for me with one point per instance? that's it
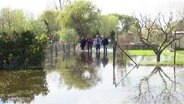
(167, 57)
(141, 52)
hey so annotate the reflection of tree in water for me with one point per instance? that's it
(77, 73)
(165, 94)
(22, 86)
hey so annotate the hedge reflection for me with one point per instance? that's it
(22, 86)
(78, 71)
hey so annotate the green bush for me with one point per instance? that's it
(21, 50)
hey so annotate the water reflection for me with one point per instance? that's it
(105, 59)
(79, 71)
(22, 86)
(86, 58)
(80, 76)
(98, 60)
(89, 58)
(161, 92)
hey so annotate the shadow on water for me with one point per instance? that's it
(22, 86)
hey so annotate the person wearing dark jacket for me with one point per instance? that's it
(105, 42)
(89, 42)
(82, 43)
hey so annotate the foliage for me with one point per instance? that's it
(68, 35)
(11, 20)
(107, 24)
(128, 23)
(79, 15)
(23, 49)
(49, 18)
(72, 71)
(22, 86)
(38, 27)
(22, 41)
(112, 36)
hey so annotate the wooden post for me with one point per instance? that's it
(175, 48)
(174, 78)
(126, 54)
(114, 59)
(114, 53)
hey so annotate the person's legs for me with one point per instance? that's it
(97, 48)
(106, 48)
(91, 47)
(88, 46)
(82, 47)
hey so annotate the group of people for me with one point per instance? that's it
(89, 41)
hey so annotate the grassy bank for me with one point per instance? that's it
(167, 57)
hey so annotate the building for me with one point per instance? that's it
(180, 42)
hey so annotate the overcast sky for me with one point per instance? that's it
(130, 7)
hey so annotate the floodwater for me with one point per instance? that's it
(90, 78)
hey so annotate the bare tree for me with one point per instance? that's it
(157, 33)
(59, 4)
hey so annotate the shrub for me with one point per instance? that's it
(21, 50)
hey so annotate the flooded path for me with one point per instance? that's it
(89, 78)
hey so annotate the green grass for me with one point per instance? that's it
(167, 57)
(141, 52)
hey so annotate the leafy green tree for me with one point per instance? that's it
(112, 36)
(11, 20)
(22, 50)
(38, 27)
(68, 35)
(79, 15)
(22, 42)
(127, 22)
(49, 18)
(108, 23)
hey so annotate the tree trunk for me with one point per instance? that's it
(60, 5)
(158, 56)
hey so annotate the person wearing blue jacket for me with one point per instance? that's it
(97, 43)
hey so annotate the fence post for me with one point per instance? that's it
(114, 53)
(175, 48)
(114, 59)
